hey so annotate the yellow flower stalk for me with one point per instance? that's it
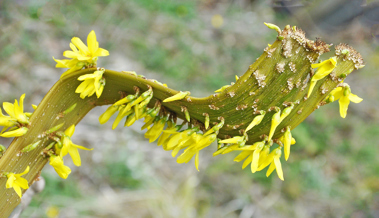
(286, 112)
(344, 95)
(222, 88)
(179, 96)
(81, 54)
(71, 148)
(125, 100)
(59, 167)
(16, 182)
(256, 121)
(275, 121)
(239, 140)
(92, 83)
(324, 69)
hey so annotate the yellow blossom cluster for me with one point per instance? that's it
(259, 154)
(16, 182)
(15, 124)
(173, 139)
(62, 147)
(81, 55)
(92, 83)
(133, 107)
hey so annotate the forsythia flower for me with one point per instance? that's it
(274, 160)
(92, 83)
(71, 148)
(324, 69)
(16, 118)
(16, 182)
(200, 143)
(81, 54)
(59, 167)
(344, 95)
(155, 131)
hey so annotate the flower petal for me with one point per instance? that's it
(355, 98)
(270, 169)
(197, 161)
(344, 104)
(70, 130)
(15, 133)
(242, 155)
(87, 77)
(278, 167)
(25, 171)
(9, 108)
(74, 153)
(92, 43)
(11, 178)
(80, 45)
(17, 189)
(247, 161)
(21, 182)
(81, 147)
(254, 162)
(101, 52)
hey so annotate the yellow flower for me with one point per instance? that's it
(202, 142)
(273, 159)
(324, 69)
(165, 135)
(81, 54)
(16, 111)
(70, 148)
(72, 64)
(16, 182)
(59, 167)
(344, 95)
(92, 83)
(16, 119)
(180, 137)
(6, 121)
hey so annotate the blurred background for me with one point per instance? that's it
(198, 46)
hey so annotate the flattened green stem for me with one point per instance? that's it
(278, 78)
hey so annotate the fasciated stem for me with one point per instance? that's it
(279, 78)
